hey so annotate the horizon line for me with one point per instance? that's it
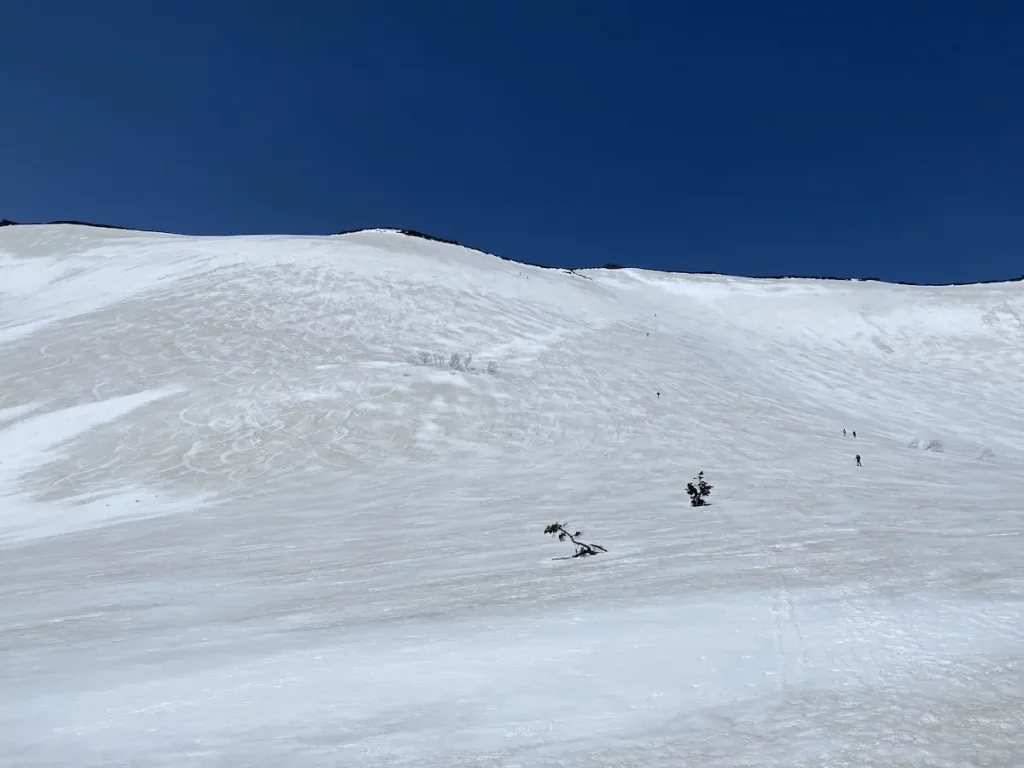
(449, 241)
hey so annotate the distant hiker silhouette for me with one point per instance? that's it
(658, 394)
(855, 433)
(844, 433)
(858, 460)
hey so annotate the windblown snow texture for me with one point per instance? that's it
(252, 511)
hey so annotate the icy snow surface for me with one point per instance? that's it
(249, 515)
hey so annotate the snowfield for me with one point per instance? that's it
(250, 514)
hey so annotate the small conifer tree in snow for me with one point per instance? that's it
(699, 492)
(582, 550)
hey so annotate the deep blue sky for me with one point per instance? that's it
(822, 137)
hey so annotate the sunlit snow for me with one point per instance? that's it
(250, 514)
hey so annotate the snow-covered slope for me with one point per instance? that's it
(251, 515)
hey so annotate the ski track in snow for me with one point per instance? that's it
(250, 516)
